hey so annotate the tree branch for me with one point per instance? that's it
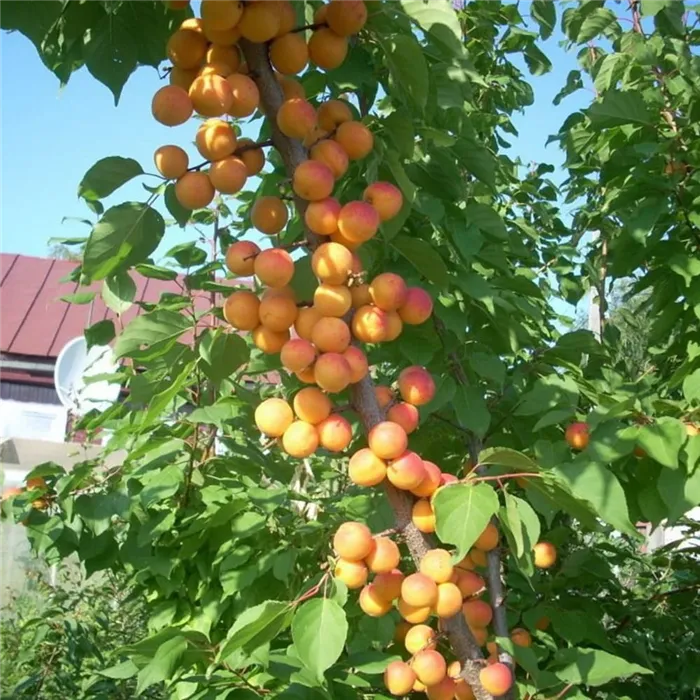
(363, 397)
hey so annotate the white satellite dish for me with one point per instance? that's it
(74, 364)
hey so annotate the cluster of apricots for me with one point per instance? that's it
(35, 486)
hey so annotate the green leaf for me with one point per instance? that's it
(156, 272)
(163, 665)
(462, 512)
(107, 175)
(164, 399)
(678, 491)
(100, 333)
(479, 161)
(126, 669)
(118, 292)
(592, 666)
(437, 17)
(79, 297)
(523, 524)
(548, 393)
(554, 418)
(662, 440)
(595, 23)
(177, 211)
(471, 409)
(545, 14)
(485, 218)
(304, 282)
(423, 257)
(223, 353)
(159, 326)
(488, 366)
(408, 67)
(256, 626)
(505, 457)
(610, 71)
(319, 631)
(617, 108)
(126, 235)
(400, 129)
(653, 7)
(187, 254)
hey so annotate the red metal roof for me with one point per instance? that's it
(34, 321)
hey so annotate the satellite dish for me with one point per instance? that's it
(74, 364)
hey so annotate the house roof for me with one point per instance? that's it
(35, 322)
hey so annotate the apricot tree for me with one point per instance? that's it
(361, 384)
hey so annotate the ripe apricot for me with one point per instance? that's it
(496, 679)
(521, 637)
(171, 106)
(312, 181)
(287, 17)
(477, 613)
(254, 158)
(420, 637)
(384, 395)
(543, 623)
(430, 666)
(296, 118)
(358, 364)
(388, 291)
(372, 603)
(297, 355)
(545, 555)
(270, 342)
(171, 161)
(285, 292)
(240, 257)
(333, 300)
(320, 14)
(353, 541)
(194, 190)
(385, 198)
(577, 436)
(290, 87)
(394, 326)
(245, 96)
(346, 17)
(330, 153)
(431, 481)
(352, 573)
(215, 139)
(211, 95)
(306, 376)
(422, 516)
(449, 600)
(478, 557)
(327, 49)
(369, 324)
(337, 237)
(448, 479)
(414, 614)
(332, 372)
(416, 386)
(399, 677)
(331, 335)
(419, 590)
(334, 433)
(289, 54)
(220, 69)
(360, 294)
(385, 556)
(241, 310)
(273, 417)
(437, 565)
(387, 440)
(406, 472)
(221, 37)
(417, 307)
(274, 267)
(469, 583)
(228, 175)
(314, 136)
(463, 691)
(260, 21)
(333, 113)
(488, 539)
(356, 139)
(227, 56)
(312, 405)
(331, 263)
(321, 217)
(186, 48)
(365, 468)
(480, 634)
(269, 215)
(388, 585)
(300, 440)
(443, 690)
(278, 313)
(221, 14)
(177, 4)
(358, 221)
(183, 78)
(306, 320)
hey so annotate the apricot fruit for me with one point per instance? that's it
(406, 471)
(331, 154)
(420, 637)
(278, 313)
(307, 318)
(300, 439)
(358, 221)
(331, 263)
(417, 307)
(394, 326)
(369, 324)
(366, 469)
(388, 585)
(290, 87)
(334, 433)
(337, 237)
(496, 679)
(254, 158)
(414, 614)
(241, 310)
(183, 78)
(228, 175)
(332, 372)
(545, 555)
(194, 190)
(399, 677)
(215, 139)
(431, 481)
(296, 118)
(245, 96)
(287, 17)
(353, 541)
(171, 161)
(222, 37)
(385, 556)
(240, 257)
(273, 417)
(333, 113)
(469, 583)
(260, 21)
(388, 291)
(356, 140)
(543, 623)
(422, 516)
(577, 436)
(327, 50)
(312, 181)
(221, 14)
(430, 666)
(171, 106)
(385, 198)
(387, 440)
(488, 539)
(321, 217)
(443, 690)
(448, 479)
(359, 367)
(360, 294)
(352, 573)
(437, 565)
(521, 637)
(346, 17)
(419, 590)
(226, 56)
(297, 355)
(270, 342)
(289, 53)
(384, 395)
(449, 600)
(331, 334)
(371, 603)
(269, 215)
(211, 95)
(186, 48)
(333, 300)
(416, 386)
(312, 405)
(477, 613)
(274, 267)
(478, 557)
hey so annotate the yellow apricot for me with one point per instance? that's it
(312, 405)
(241, 310)
(273, 417)
(300, 439)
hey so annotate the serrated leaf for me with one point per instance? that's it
(256, 626)
(107, 175)
(163, 665)
(462, 512)
(617, 108)
(319, 631)
(423, 257)
(118, 292)
(592, 666)
(223, 353)
(485, 218)
(505, 457)
(159, 326)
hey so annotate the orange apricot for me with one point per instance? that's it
(330, 153)
(521, 637)
(333, 113)
(496, 679)
(241, 310)
(449, 600)
(431, 482)
(171, 105)
(358, 221)
(417, 307)
(260, 21)
(419, 590)
(406, 472)
(388, 291)
(356, 139)
(416, 386)
(477, 613)
(222, 37)
(321, 216)
(388, 584)
(331, 263)
(448, 479)
(387, 440)
(226, 56)
(180, 77)
(186, 48)
(245, 96)
(331, 334)
(430, 666)
(365, 468)
(437, 565)
(296, 118)
(346, 17)
(290, 87)
(332, 372)
(333, 300)
(414, 614)
(478, 557)
(327, 49)
(307, 318)
(488, 539)
(357, 360)
(353, 541)
(352, 573)
(543, 623)
(480, 634)
(399, 677)
(211, 95)
(334, 433)
(372, 603)
(312, 405)
(297, 355)
(300, 439)
(270, 342)
(221, 14)
(312, 181)
(194, 190)
(545, 555)
(385, 556)
(422, 516)
(278, 313)
(384, 395)
(269, 215)
(254, 158)
(228, 175)
(240, 257)
(360, 294)
(469, 583)
(287, 17)
(420, 637)
(273, 417)
(369, 324)
(215, 139)
(394, 326)
(385, 198)
(337, 237)
(171, 161)
(274, 267)
(289, 53)
(442, 690)
(577, 435)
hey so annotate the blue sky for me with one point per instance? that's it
(51, 136)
